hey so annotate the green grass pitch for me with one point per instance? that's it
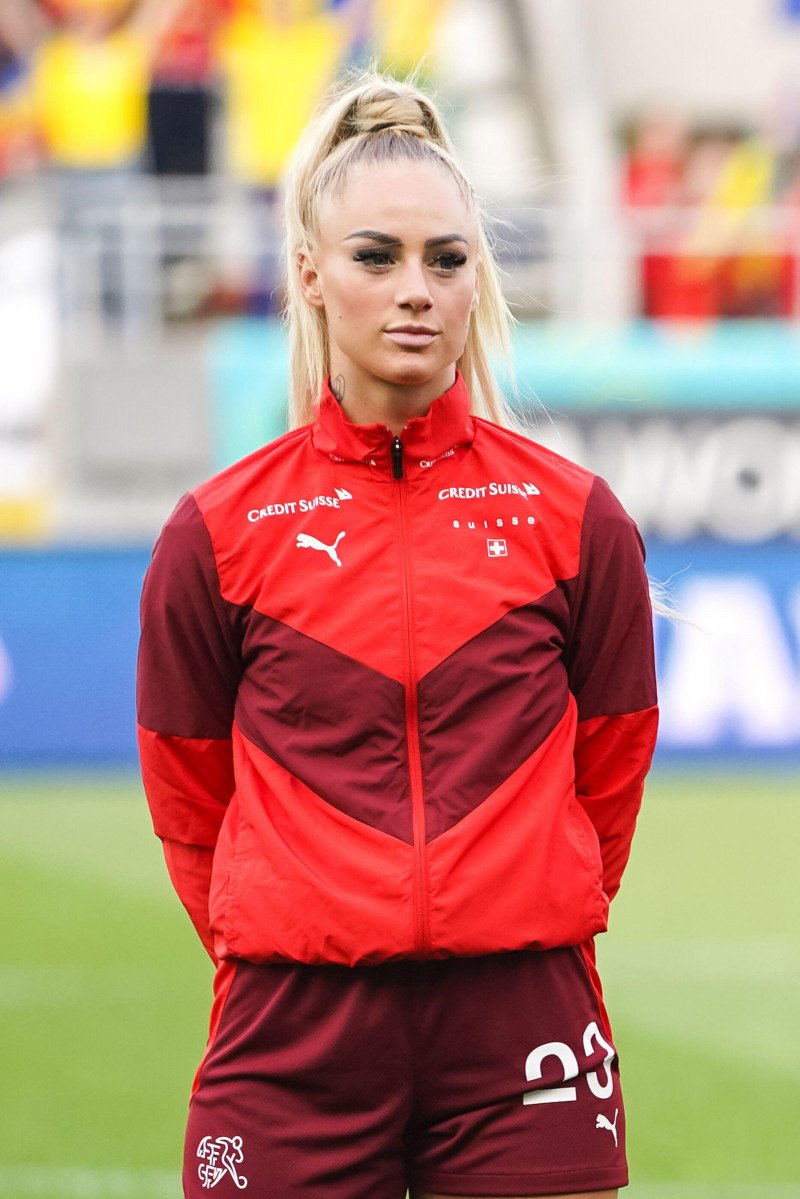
(105, 992)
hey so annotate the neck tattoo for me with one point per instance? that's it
(337, 387)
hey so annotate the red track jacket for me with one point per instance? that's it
(396, 696)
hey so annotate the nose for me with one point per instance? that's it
(412, 287)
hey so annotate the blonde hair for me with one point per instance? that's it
(369, 118)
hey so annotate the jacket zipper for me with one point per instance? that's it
(397, 458)
(422, 938)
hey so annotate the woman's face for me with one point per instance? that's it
(394, 267)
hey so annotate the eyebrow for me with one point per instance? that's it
(386, 239)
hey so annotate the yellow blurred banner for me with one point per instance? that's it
(91, 99)
(747, 176)
(404, 30)
(745, 181)
(24, 520)
(274, 75)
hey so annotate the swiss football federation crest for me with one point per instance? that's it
(221, 1156)
(496, 548)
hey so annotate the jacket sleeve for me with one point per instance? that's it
(611, 670)
(188, 674)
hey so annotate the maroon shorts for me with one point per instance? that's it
(469, 1076)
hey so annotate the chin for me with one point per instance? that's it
(412, 372)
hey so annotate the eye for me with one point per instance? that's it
(450, 261)
(373, 257)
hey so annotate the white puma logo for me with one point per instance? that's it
(306, 542)
(602, 1122)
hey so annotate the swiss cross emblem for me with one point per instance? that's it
(220, 1156)
(496, 548)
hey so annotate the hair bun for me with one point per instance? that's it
(383, 109)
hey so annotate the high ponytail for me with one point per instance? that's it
(371, 118)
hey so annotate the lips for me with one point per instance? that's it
(412, 335)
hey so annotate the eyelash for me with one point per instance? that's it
(453, 259)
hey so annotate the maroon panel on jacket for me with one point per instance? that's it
(487, 707)
(189, 659)
(334, 723)
(609, 654)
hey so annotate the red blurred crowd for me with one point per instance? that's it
(718, 212)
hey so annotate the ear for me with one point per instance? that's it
(309, 279)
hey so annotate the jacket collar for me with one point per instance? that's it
(446, 424)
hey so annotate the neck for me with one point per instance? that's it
(367, 400)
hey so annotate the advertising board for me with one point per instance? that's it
(729, 669)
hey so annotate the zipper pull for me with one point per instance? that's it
(397, 458)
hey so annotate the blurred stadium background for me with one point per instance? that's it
(642, 164)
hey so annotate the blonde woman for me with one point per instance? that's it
(396, 706)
